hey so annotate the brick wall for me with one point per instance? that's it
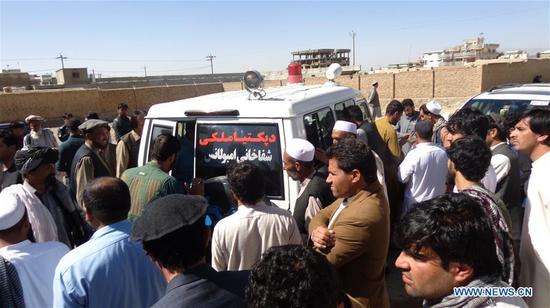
(53, 103)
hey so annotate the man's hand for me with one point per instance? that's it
(403, 139)
(196, 187)
(323, 238)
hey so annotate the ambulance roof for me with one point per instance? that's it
(280, 102)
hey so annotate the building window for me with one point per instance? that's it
(76, 75)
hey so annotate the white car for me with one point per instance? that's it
(511, 98)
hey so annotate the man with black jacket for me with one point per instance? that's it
(93, 159)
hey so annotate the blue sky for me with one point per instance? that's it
(118, 38)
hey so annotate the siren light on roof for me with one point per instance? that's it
(295, 73)
(333, 71)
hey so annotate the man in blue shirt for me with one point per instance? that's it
(110, 270)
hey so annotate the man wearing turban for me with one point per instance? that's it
(52, 212)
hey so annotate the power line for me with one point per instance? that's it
(134, 60)
(27, 59)
(41, 70)
(105, 60)
(154, 71)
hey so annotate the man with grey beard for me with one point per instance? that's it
(314, 192)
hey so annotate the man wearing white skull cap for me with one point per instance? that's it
(314, 193)
(34, 262)
(343, 130)
(431, 111)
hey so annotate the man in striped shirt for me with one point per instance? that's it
(152, 180)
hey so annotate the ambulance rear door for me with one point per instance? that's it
(221, 141)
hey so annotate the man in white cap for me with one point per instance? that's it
(34, 262)
(343, 130)
(431, 111)
(314, 192)
(38, 136)
(373, 101)
(348, 130)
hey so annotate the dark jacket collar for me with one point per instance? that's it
(203, 271)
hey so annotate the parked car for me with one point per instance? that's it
(515, 98)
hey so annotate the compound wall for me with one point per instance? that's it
(450, 85)
(53, 103)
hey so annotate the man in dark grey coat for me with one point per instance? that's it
(505, 162)
(174, 236)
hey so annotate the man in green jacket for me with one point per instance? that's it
(152, 180)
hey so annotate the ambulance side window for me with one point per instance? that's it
(155, 132)
(318, 127)
(340, 107)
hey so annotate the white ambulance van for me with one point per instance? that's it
(252, 124)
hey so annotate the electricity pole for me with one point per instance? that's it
(62, 58)
(353, 35)
(211, 59)
(145, 70)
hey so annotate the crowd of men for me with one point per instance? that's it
(81, 225)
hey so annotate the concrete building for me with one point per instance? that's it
(70, 76)
(470, 51)
(16, 78)
(320, 58)
(47, 79)
(432, 58)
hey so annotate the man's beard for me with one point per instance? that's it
(100, 145)
(50, 180)
(293, 175)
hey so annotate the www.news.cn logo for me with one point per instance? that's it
(493, 291)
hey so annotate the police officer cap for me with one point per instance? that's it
(93, 123)
(168, 214)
